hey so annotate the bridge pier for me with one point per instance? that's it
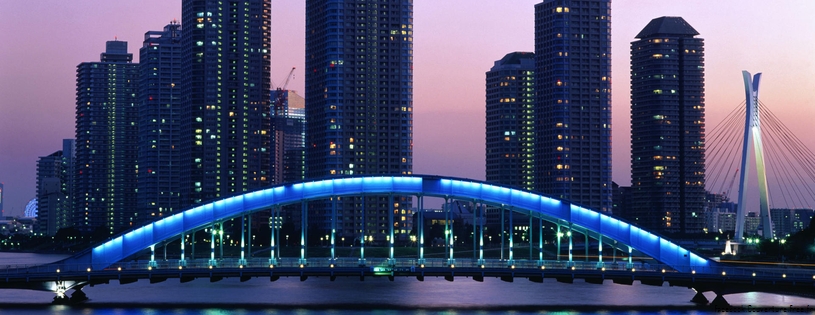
(242, 261)
(152, 262)
(719, 301)
(700, 299)
(420, 216)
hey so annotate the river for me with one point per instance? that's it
(378, 296)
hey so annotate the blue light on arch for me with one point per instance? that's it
(200, 216)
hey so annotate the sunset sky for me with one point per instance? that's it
(455, 43)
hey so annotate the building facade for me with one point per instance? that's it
(159, 129)
(225, 121)
(510, 131)
(54, 189)
(668, 127)
(359, 105)
(288, 136)
(573, 101)
(106, 141)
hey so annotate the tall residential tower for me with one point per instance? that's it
(159, 117)
(106, 141)
(225, 120)
(359, 103)
(573, 101)
(511, 121)
(668, 127)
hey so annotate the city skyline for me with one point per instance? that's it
(37, 104)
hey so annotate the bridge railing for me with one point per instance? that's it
(777, 272)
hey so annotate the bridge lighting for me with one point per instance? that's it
(482, 267)
(754, 274)
(452, 266)
(331, 266)
(724, 273)
(663, 270)
(784, 275)
(89, 269)
(271, 266)
(421, 266)
(240, 266)
(119, 269)
(149, 268)
(302, 266)
(693, 272)
(603, 269)
(633, 269)
(543, 267)
(210, 266)
(58, 272)
(180, 267)
(572, 267)
(512, 267)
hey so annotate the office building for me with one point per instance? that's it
(225, 121)
(54, 188)
(359, 106)
(106, 141)
(573, 102)
(159, 123)
(510, 132)
(668, 127)
(288, 136)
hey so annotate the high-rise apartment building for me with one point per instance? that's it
(106, 141)
(573, 102)
(288, 136)
(510, 132)
(359, 105)
(668, 127)
(159, 123)
(225, 121)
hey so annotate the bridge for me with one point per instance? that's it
(113, 260)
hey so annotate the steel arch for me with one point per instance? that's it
(657, 247)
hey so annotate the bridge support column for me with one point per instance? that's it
(502, 232)
(212, 261)
(600, 263)
(511, 260)
(183, 261)
(475, 231)
(559, 235)
(221, 237)
(242, 261)
(420, 216)
(586, 245)
(630, 263)
(529, 235)
(303, 232)
(152, 262)
(333, 228)
(571, 247)
(362, 239)
(391, 261)
(540, 241)
(719, 301)
(192, 243)
(481, 211)
(448, 233)
(273, 236)
(699, 298)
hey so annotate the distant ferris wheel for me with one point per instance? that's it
(31, 208)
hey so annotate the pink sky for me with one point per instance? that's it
(455, 42)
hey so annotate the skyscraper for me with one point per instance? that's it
(511, 121)
(573, 101)
(50, 198)
(668, 127)
(288, 136)
(106, 141)
(225, 121)
(159, 116)
(359, 103)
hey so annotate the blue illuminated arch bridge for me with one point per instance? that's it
(590, 222)
(671, 263)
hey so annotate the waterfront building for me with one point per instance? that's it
(510, 130)
(359, 106)
(159, 152)
(54, 188)
(573, 101)
(106, 141)
(288, 136)
(668, 127)
(225, 121)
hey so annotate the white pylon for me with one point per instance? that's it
(752, 129)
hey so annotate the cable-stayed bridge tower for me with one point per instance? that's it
(752, 130)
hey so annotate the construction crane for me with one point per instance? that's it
(281, 97)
